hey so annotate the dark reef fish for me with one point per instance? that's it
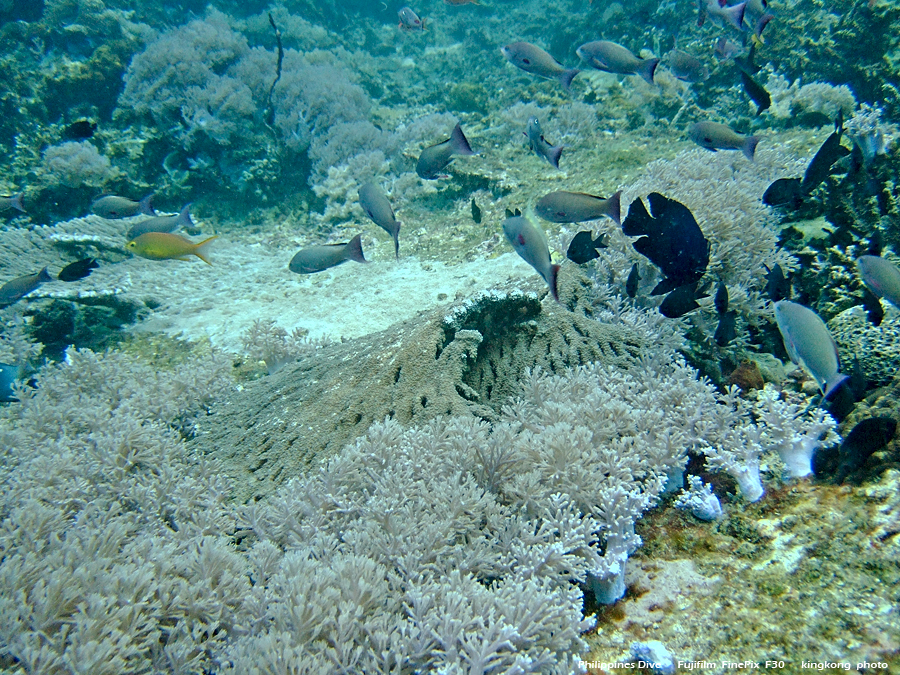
(8, 376)
(671, 239)
(880, 276)
(378, 208)
(680, 301)
(825, 158)
(714, 136)
(873, 308)
(631, 283)
(162, 224)
(113, 207)
(809, 344)
(409, 20)
(778, 286)
(786, 192)
(319, 258)
(13, 202)
(726, 329)
(866, 438)
(532, 59)
(755, 91)
(577, 207)
(435, 158)
(720, 301)
(539, 144)
(79, 131)
(16, 289)
(77, 270)
(476, 212)
(686, 67)
(584, 247)
(614, 58)
(530, 243)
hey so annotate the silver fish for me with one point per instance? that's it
(686, 67)
(809, 344)
(531, 245)
(319, 258)
(13, 202)
(435, 158)
(614, 58)
(16, 289)
(532, 59)
(577, 207)
(113, 207)
(378, 208)
(539, 144)
(409, 20)
(162, 224)
(714, 136)
(881, 276)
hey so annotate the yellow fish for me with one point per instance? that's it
(167, 246)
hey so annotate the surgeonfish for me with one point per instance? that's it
(577, 207)
(167, 246)
(16, 289)
(714, 136)
(881, 276)
(13, 202)
(435, 158)
(378, 208)
(809, 344)
(532, 59)
(530, 243)
(77, 270)
(686, 67)
(113, 207)
(162, 224)
(322, 257)
(409, 20)
(614, 58)
(539, 145)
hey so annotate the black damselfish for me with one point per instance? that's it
(476, 212)
(825, 158)
(756, 92)
(631, 283)
(584, 247)
(680, 301)
(786, 192)
(77, 270)
(673, 241)
(867, 437)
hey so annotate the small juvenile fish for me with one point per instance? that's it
(577, 207)
(614, 58)
(77, 270)
(881, 276)
(162, 224)
(714, 136)
(378, 208)
(539, 144)
(409, 20)
(631, 283)
(16, 289)
(584, 247)
(756, 92)
(476, 212)
(531, 245)
(167, 246)
(726, 330)
(435, 158)
(322, 257)
(13, 202)
(114, 207)
(721, 299)
(686, 67)
(809, 344)
(532, 59)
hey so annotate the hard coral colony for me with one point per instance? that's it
(447, 460)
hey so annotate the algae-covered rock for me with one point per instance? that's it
(461, 360)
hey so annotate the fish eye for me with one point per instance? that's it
(526, 61)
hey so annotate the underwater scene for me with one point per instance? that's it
(449, 336)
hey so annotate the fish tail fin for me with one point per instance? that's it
(647, 69)
(353, 250)
(396, 235)
(614, 207)
(553, 155)
(459, 142)
(146, 207)
(184, 218)
(17, 203)
(761, 24)
(567, 76)
(749, 147)
(44, 276)
(832, 384)
(199, 252)
(735, 15)
(553, 282)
